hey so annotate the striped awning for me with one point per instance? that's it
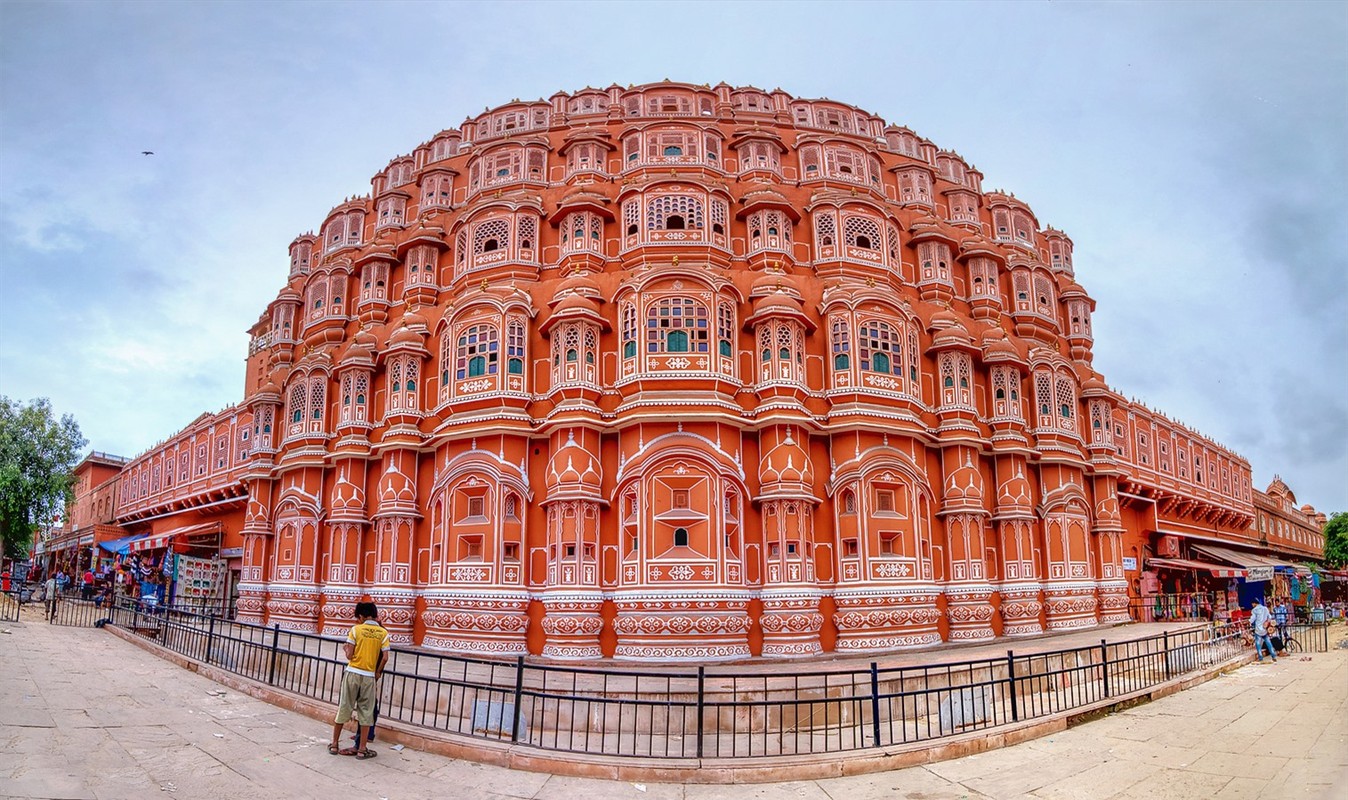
(158, 541)
(1217, 570)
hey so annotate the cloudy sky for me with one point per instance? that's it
(1195, 153)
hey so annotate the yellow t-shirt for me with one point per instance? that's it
(370, 640)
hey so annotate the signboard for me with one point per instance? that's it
(232, 552)
(1130, 564)
(1256, 574)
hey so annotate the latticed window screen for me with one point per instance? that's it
(318, 393)
(725, 324)
(629, 330)
(841, 343)
(515, 347)
(491, 235)
(674, 211)
(862, 232)
(825, 230)
(478, 352)
(677, 325)
(879, 347)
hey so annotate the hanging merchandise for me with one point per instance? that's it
(201, 582)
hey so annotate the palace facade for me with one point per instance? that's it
(677, 372)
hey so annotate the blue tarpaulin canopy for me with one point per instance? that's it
(118, 545)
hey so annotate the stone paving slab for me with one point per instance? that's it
(85, 715)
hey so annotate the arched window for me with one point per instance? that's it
(880, 348)
(725, 324)
(677, 325)
(629, 330)
(490, 235)
(861, 232)
(515, 347)
(841, 341)
(680, 537)
(478, 352)
(674, 212)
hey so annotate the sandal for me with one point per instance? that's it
(334, 750)
(366, 753)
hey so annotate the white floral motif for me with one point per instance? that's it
(467, 573)
(679, 362)
(892, 570)
(682, 572)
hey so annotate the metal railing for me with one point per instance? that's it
(703, 712)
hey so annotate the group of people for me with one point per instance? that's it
(138, 580)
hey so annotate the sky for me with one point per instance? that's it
(1195, 153)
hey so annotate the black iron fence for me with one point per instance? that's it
(705, 712)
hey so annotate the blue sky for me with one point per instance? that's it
(1195, 153)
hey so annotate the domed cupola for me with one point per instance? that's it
(1014, 497)
(348, 501)
(999, 349)
(964, 488)
(397, 495)
(786, 469)
(573, 471)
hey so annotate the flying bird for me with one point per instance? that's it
(147, 152)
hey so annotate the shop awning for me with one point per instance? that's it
(118, 545)
(1249, 560)
(1217, 570)
(158, 541)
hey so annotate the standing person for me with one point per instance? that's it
(1280, 614)
(1260, 622)
(50, 588)
(366, 651)
(87, 587)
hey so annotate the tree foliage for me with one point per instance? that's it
(1336, 540)
(37, 456)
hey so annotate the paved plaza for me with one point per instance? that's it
(84, 714)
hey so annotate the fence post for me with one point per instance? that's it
(519, 693)
(1011, 677)
(875, 703)
(1104, 663)
(275, 642)
(1165, 637)
(701, 705)
(210, 638)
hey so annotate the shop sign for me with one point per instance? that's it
(231, 552)
(87, 539)
(1256, 574)
(1130, 564)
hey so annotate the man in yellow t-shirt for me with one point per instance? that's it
(366, 650)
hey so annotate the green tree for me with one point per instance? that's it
(38, 454)
(1336, 540)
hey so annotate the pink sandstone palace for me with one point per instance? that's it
(677, 372)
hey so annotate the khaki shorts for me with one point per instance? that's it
(357, 701)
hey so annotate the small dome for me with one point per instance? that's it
(953, 333)
(396, 489)
(774, 282)
(576, 303)
(357, 353)
(997, 348)
(1015, 493)
(965, 485)
(573, 468)
(577, 283)
(786, 465)
(405, 335)
(348, 499)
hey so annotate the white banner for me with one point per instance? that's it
(1256, 574)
